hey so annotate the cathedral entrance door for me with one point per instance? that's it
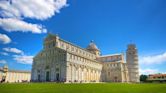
(47, 76)
(57, 76)
(115, 79)
(38, 77)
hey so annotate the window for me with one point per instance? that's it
(67, 47)
(47, 67)
(38, 71)
(70, 56)
(62, 45)
(53, 44)
(73, 57)
(72, 49)
(109, 73)
(57, 69)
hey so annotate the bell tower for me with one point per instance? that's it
(132, 63)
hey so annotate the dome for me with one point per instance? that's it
(92, 46)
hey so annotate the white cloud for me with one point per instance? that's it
(153, 59)
(14, 11)
(148, 71)
(12, 24)
(4, 39)
(20, 57)
(3, 62)
(24, 59)
(4, 53)
(37, 9)
(13, 50)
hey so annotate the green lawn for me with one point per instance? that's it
(82, 88)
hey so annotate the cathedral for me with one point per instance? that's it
(62, 61)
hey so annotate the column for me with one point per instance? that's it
(78, 73)
(71, 73)
(93, 75)
(68, 78)
(82, 74)
(89, 74)
(85, 74)
(74, 73)
(97, 76)
(99, 73)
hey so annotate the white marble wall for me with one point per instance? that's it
(115, 72)
(17, 76)
(80, 73)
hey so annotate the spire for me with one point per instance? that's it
(92, 41)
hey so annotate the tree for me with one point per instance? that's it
(143, 78)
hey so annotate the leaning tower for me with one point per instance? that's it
(132, 63)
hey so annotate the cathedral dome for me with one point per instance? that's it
(92, 46)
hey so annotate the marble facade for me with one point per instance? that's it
(62, 61)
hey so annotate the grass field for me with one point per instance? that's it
(82, 88)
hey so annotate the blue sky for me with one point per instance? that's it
(112, 24)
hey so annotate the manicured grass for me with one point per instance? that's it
(82, 88)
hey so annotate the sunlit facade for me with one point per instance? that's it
(62, 61)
